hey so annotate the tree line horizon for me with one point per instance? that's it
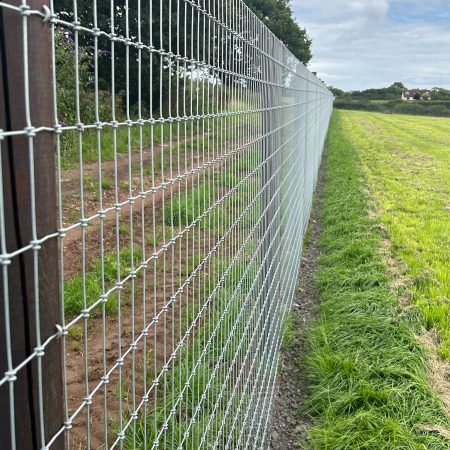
(393, 92)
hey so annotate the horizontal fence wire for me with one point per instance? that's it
(187, 141)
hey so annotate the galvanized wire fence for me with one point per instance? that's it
(158, 165)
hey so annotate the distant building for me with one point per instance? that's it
(416, 94)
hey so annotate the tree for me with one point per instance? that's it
(151, 93)
(337, 92)
(277, 16)
(399, 85)
(393, 92)
(182, 26)
(440, 94)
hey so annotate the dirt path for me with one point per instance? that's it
(289, 429)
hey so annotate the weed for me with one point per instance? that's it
(289, 332)
(107, 183)
(188, 207)
(124, 185)
(90, 184)
(122, 137)
(124, 228)
(202, 386)
(307, 237)
(76, 332)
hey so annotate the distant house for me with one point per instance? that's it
(416, 94)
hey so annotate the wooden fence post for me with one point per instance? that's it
(20, 283)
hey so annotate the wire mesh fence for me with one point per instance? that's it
(158, 165)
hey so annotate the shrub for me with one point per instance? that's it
(424, 108)
(66, 93)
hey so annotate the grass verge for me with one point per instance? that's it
(368, 383)
(408, 176)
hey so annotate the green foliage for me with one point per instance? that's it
(151, 92)
(440, 94)
(393, 92)
(290, 332)
(66, 83)
(170, 28)
(419, 108)
(368, 388)
(278, 17)
(188, 207)
(336, 91)
(68, 111)
(399, 85)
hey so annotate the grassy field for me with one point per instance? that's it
(406, 161)
(368, 373)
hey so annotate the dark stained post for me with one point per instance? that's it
(31, 398)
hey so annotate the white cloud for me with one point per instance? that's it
(329, 10)
(371, 8)
(359, 44)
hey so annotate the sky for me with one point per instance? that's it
(361, 44)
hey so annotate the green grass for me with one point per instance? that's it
(191, 204)
(406, 161)
(185, 386)
(69, 146)
(125, 138)
(73, 288)
(368, 383)
(229, 302)
(290, 332)
(187, 208)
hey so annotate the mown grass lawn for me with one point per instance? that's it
(406, 163)
(368, 374)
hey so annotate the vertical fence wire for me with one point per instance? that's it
(187, 146)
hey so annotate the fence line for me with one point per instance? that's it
(158, 161)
